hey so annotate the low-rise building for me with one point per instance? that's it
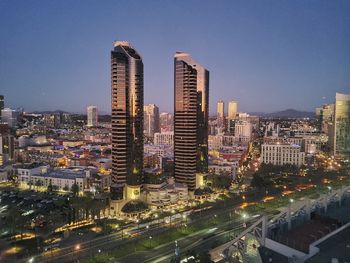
(166, 193)
(62, 178)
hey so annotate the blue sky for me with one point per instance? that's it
(268, 55)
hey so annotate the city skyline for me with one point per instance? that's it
(308, 62)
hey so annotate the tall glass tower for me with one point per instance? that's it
(127, 114)
(342, 125)
(191, 88)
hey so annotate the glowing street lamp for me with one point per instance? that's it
(245, 216)
(150, 240)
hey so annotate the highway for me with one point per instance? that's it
(203, 239)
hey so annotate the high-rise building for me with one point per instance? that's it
(342, 125)
(243, 131)
(10, 117)
(150, 120)
(7, 147)
(232, 109)
(220, 109)
(127, 114)
(52, 120)
(2, 104)
(191, 88)
(166, 121)
(92, 116)
(220, 113)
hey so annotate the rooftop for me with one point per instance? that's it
(337, 246)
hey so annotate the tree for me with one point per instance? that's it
(66, 188)
(258, 181)
(15, 221)
(30, 183)
(38, 183)
(219, 181)
(75, 189)
(50, 188)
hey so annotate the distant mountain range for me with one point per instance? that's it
(289, 113)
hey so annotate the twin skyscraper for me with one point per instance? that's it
(191, 113)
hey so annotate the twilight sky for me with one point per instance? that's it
(268, 55)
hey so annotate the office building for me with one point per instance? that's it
(164, 138)
(2, 104)
(342, 125)
(7, 148)
(243, 131)
(282, 153)
(150, 120)
(10, 117)
(191, 88)
(220, 109)
(166, 122)
(52, 120)
(127, 114)
(220, 114)
(232, 109)
(92, 116)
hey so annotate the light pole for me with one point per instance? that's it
(77, 248)
(245, 216)
(172, 212)
(150, 240)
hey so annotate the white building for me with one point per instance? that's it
(150, 119)
(62, 178)
(27, 170)
(10, 117)
(160, 150)
(280, 154)
(243, 131)
(165, 194)
(164, 138)
(92, 116)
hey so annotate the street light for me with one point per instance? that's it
(77, 247)
(245, 216)
(31, 260)
(150, 239)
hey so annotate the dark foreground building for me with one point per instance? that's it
(127, 114)
(191, 102)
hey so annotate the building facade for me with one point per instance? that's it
(191, 88)
(232, 109)
(280, 154)
(2, 104)
(342, 125)
(150, 120)
(10, 117)
(164, 138)
(92, 116)
(127, 114)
